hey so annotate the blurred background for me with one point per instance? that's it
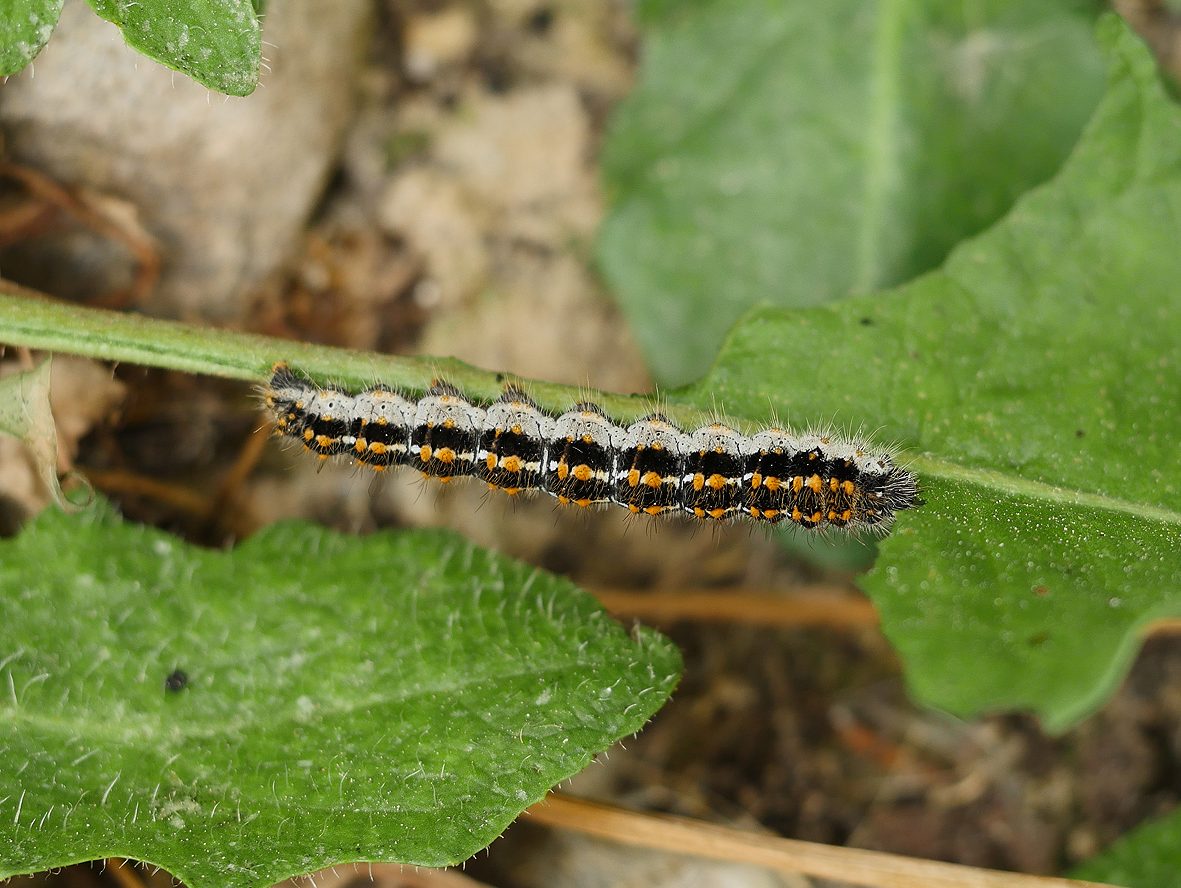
(433, 178)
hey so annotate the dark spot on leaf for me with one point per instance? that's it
(1038, 639)
(177, 681)
(1079, 433)
(500, 377)
(1041, 591)
(867, 322)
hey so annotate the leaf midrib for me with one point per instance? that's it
(926, 464)
(881, 144)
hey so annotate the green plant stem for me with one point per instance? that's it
(31, 319)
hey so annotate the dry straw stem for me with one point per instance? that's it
(820, 606)
(124, 873)
(850, 865)
(831, 606)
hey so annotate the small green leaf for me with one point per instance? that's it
(25, 413)
(25, 26)
(216, 42)
(400, 697)
(1147, 857)
(1035, 381)
(796, 152)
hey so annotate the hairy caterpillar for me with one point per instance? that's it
(583, 457)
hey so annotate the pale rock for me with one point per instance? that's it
(432, 213)
(434, 41)
(525, 152)
(224, 184)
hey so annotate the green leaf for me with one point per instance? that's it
(400, 697)
(25, 413)
(1035, 381)
(25, 26)
(216, 42)
(1144, 858)
(797, 152)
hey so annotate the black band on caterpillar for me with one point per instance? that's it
(583, 457)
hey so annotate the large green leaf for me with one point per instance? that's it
(797, 152)
(1147, 857)
(216, 42)
(25, 26)
(1036, 380)
(400, 697)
